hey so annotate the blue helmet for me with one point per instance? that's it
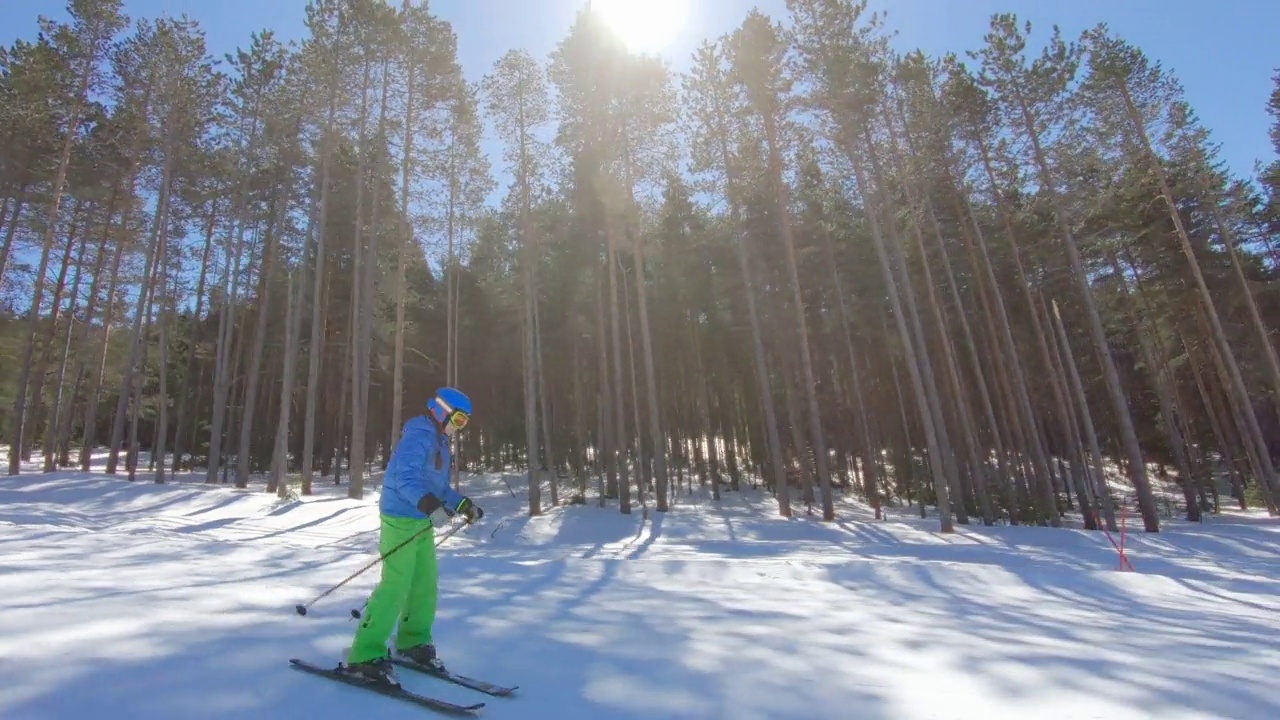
(447, 400)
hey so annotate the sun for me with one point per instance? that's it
(645, 26)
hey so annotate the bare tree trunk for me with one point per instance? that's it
(181, 419)
(230, 295)
(545, 403)
(869, 469)
(108, 319)
(984, 393)
(530, 290)
(266, 279)
(1272, 363)
(1064, 368)
(51, 430)
(1255, 448)
(51, 227)
(772, 438)
(404, 237)
(364, 261)
(82, 344)
(293, 315)
(1221, 426)
(1164, 397)
(605, 397)
(135, 404)
(935, 447)
(637, 441)
(37, 410)
(624, 488)
(154, 254)
(319, 298)
(942, 454)
(160, 436)
(646, 344)
(1128, 436)
(806, 361)
(1039, 455)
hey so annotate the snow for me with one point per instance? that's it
(134, 600)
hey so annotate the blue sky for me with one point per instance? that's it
(1223, 51)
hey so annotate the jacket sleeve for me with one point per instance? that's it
(412, 453)
(420, 474)
(436, 481)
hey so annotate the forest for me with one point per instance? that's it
(1001, 285)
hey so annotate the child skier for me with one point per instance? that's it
(415, 485)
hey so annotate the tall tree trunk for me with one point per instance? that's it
(1271, 362)
(230, 295)
(1164, 397)
(935, 447)
(605, 396)
(1120, 406)
(1064, 367)
(361, 300)
(867, 449)
(318, 297)
(1101, 488)
(108, 319)
(738, 229)
(51, 428)
(266, 280)
(1222, 427)
(646, 340)
(404, 236)
(806, 362)
(948, 353)
(154, 253)
(984, 393)
(82, 344)
(944, 456)
(37, 296)
(194, 340)
(530, 289)
(293, 315)
(1254, 447)
(624, 488)
(36, 408)
(161, 432)
(637, 449)
(1040, 455)
(546, 407)
(135, 404)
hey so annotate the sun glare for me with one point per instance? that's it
(645, 26)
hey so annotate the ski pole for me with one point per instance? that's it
(356, 614)
(302, 608)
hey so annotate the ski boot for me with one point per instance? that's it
(424, 655)
(375, 672)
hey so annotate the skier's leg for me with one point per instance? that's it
(384, 605)
(420, 610)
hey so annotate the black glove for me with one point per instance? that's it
(471, 511)
(428, 504)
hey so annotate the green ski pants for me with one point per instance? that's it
(405, 592)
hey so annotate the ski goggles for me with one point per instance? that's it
(456, 418)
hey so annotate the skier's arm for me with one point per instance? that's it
(412, 453)
(437, 491)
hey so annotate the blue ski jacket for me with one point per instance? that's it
(419, 465)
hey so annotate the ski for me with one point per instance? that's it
(394, 691)
(448, 675)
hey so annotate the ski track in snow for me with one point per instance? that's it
(134, 600)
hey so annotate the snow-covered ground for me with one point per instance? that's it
(132, 600)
